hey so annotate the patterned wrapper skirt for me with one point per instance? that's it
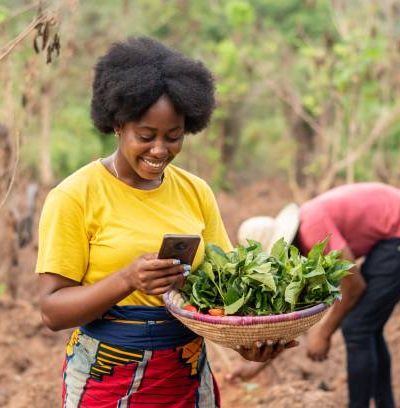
(97, 374)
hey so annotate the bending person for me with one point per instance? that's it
(363, 221)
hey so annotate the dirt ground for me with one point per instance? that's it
(31, 355)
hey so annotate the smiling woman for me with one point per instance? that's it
(148, 145)
(101, 228)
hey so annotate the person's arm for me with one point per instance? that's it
(352, 288)
(65, 303)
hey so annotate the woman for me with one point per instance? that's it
(101, 228)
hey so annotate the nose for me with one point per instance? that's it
(159, 149)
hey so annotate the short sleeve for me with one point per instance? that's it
(215, 232)
(63, 241)
(315, 228)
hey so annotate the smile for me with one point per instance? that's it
(154, 164)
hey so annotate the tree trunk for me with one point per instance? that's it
(46, 175)
(230, 137)
(304, 136)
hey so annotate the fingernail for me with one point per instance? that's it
(187, 267)
(176, 262)
(282, 342)
(237, 347)
(186, 273)
(270, 343)
(259, 344)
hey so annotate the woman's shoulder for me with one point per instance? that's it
(183, 176)
(78, 183)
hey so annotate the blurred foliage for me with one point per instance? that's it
(276, 63)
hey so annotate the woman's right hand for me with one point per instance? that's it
(154, 276)
(66, 303)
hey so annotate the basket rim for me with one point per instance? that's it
(239, 320)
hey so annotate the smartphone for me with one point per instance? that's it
(182, 247)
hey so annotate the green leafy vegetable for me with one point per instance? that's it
(248, 281)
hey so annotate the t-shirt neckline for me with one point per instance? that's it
(127, 187)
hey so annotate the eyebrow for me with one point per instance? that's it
(155, 129)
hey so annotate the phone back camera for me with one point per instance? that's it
(180, 246)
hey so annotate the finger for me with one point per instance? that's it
(154, 264)
(150, 256)
(180, 281)
(168, 282)
(291, 344)
(160, 289)
(244, 352)
(165, 272)
(280, 346)
(267, 350)
(255, 352)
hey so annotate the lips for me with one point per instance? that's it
(154, 165)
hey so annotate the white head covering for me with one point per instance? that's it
(267, 230)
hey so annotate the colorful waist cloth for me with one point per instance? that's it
(142, 327)
(100, 375)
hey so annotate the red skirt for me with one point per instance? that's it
(100, 375)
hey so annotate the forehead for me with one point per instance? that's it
(161, 114)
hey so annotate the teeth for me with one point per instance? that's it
(155, 165)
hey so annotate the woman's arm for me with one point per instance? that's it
(66, 303)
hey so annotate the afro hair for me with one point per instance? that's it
(135, 73)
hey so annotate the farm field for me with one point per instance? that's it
(31, 355)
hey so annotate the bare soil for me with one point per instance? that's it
(31, 355)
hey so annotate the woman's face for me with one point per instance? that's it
(147, 145)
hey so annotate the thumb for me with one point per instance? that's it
(291, 344)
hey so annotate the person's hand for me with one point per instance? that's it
(318, 343)
(155, 276)
(264, 351)
(259, 356)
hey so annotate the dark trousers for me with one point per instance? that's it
(368, 358)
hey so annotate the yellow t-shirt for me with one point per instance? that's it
(93, 224)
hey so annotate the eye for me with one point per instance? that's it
(174, 138)
(145, 138)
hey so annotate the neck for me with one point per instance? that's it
(123, 171)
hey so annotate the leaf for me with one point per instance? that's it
(255, 283)
(318, 271)
(254, 246)
(249, 259)
(294, 255)
(234, 307)
(216, 255)
(230, 268)
(264, 268)
(207, 268)
(232, 295)
(261, 258)
(293, 291)
(279, 250)
(265, 278)
(318, 249)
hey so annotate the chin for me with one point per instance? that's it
(151, 176)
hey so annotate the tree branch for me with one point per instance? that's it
(23, 34)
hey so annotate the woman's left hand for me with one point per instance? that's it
(264, 352)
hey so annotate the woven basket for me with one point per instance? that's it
(232, 331)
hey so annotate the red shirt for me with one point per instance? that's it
(354, 215)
